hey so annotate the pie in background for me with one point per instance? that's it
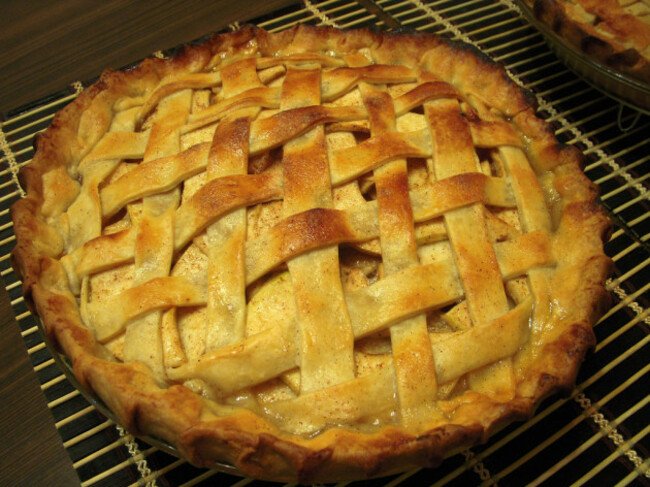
(614, 33)
(315, 255)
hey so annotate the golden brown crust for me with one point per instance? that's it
(244, 439)
(601, 29)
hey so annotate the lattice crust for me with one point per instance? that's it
(615, 33)
(314, 254)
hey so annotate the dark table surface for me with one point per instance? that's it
(46, 46)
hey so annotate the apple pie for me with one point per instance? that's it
(314, 255)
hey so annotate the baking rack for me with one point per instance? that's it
(599, 434)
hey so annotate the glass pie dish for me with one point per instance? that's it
(65, 365)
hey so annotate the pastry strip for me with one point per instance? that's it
(326, 340)
(414, 367)
(226, 237)
(531, 204)
(154, 242)
(474, 255)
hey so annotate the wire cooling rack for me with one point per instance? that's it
(599, 434)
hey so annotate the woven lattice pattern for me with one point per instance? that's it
(309, 218)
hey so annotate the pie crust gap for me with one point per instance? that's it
(314, 255)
